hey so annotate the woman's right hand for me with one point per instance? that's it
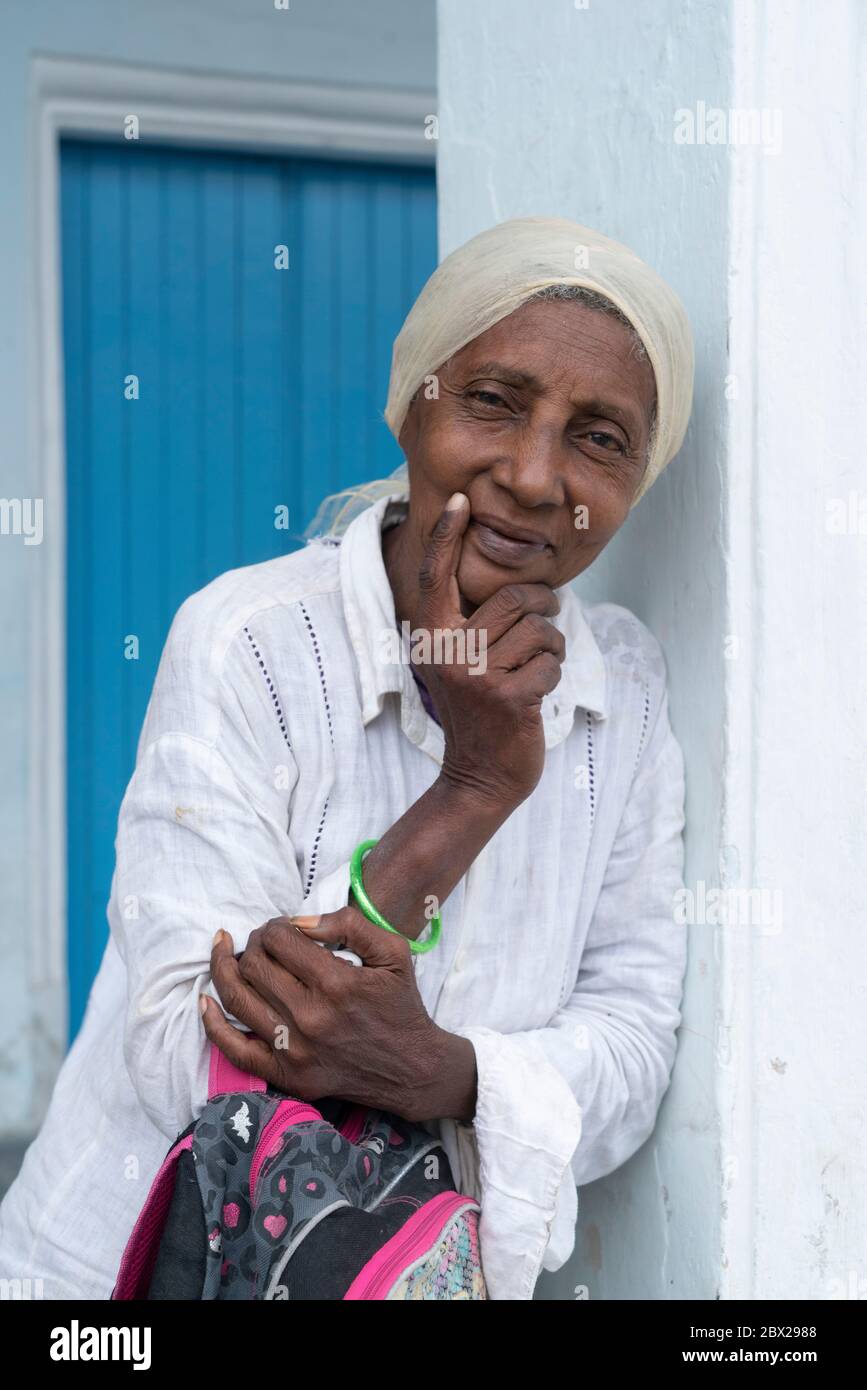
(489, 706)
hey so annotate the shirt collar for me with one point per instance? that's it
(368, 605)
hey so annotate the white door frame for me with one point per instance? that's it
(71, 96)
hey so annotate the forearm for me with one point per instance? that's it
(428, 850)
(422, 857)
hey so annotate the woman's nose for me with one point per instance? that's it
(532, 470)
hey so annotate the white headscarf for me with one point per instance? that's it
(489, 277)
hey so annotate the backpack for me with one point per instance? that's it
(267, 1197)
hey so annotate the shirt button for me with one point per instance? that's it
(460, 960)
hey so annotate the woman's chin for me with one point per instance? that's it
(479, 581)
(478, 578)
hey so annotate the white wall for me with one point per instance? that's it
(752, 1184)
(382, 43)
(792, 1101)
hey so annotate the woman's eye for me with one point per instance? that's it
(605, 441)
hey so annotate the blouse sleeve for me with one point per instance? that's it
(563, 1105)
(202, 844)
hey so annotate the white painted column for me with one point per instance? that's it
(792, 1099)
(725, 143)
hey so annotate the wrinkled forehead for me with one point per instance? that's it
(585, 352)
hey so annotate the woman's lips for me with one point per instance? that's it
(503, 549)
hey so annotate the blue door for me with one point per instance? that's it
(228, 322)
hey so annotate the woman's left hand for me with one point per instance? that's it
(325, 1027)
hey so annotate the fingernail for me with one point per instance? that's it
(218, 936)
(455, 502)
(203, 1004)
(305, 923)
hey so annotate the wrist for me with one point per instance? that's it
(451, 1085)
(465, 796)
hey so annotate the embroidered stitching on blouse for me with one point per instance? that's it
(311, 872)
(590, 784)
(638, 654)
(643, 728)
(321, 669)
(278, 711)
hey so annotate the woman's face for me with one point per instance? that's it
(544, 422)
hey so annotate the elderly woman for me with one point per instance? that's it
(526, 783)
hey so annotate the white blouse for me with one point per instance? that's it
(278, 736)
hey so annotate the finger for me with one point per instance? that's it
(378, 949)
(276, 985)
(437, 581)
(246, 1052)
(509, 605)
(298, 955)
(239, 998)
(532, 682)
(532, 635)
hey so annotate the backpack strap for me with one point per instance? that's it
(140, 1255)
(224, 1076)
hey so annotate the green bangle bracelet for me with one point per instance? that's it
(373, 915)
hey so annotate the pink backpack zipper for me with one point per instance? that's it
(406, 1247)
(288, 1112)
